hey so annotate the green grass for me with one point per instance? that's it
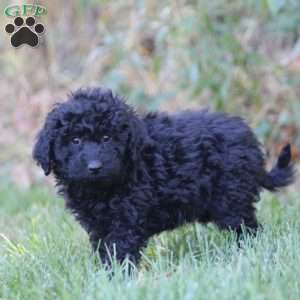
(44, 254)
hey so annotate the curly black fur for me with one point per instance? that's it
(127, 177)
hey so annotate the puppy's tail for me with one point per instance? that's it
(282, 173)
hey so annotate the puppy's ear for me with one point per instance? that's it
(43, 148)
(139, 141)
(42, 151)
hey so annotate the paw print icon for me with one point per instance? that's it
(25, 32)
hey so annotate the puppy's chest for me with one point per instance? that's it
(96, 212)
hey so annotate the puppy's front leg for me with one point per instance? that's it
(121, 243)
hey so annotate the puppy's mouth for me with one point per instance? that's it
(94, 178)
(98, 179)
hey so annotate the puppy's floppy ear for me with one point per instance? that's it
(42, 151)
(139, 140)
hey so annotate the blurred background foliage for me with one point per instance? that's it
(237, 56)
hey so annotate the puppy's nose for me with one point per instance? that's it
(94, 166)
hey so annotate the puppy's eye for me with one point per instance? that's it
(105, 138)
(76, 140)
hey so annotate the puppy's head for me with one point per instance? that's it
(93, 137)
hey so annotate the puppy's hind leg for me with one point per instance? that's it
(242, 221)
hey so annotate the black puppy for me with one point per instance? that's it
(127, 177)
